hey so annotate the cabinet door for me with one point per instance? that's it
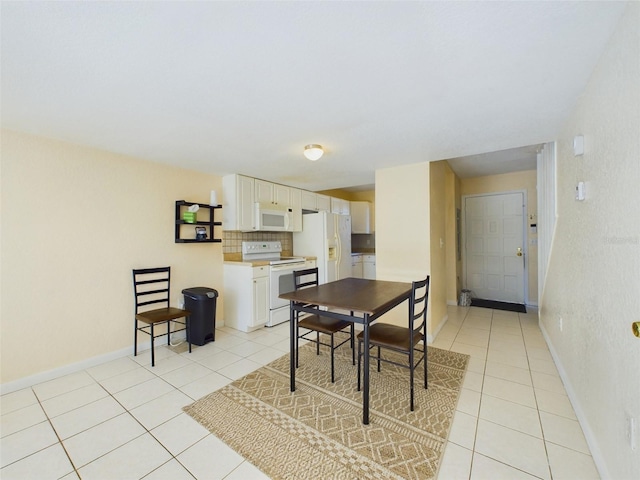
(245, 207)
(309, 200)
(339, 206)
(296, 205)
(356, 268)
(281, 195)
(360, 217)
(323, 203)
(346, 207)
(260, 301)
(264, 191)
(369, 267)
(238, 203)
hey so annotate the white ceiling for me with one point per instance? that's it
(241, 87)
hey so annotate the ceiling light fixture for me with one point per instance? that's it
(313, 152)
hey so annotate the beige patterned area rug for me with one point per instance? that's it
(317, 431)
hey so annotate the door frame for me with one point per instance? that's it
(525, 238)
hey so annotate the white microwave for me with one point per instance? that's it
(273, 218)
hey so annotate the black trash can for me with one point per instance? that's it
(201, 302)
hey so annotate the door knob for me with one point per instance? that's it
(519, 254)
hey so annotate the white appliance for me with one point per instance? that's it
(280, 275)
(326, 236)
(273, 218)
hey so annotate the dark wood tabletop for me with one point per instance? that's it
(366, 300)
(356, 294)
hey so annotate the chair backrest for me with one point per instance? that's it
(305, 278)
(418, 309)
(151, 287)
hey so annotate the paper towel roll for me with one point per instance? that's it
(214, 199)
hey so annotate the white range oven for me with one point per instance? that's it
(280, 275)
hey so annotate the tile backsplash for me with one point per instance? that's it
(232, 240)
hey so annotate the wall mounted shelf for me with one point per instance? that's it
(209, 223)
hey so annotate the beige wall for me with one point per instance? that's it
(75, 221)
(402, 234)
(439, 243)
(453, 261)
(503, 183)
(593, 279)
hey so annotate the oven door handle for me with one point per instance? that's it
(287, 266)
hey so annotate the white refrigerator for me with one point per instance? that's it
(326, 236)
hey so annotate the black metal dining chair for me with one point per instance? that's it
(152, 291)
(318, 323)
(404, 340)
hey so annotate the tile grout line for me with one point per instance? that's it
(73, 465)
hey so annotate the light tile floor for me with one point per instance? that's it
(123, 419)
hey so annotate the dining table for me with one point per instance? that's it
(356, 300)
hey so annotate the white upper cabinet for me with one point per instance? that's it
(340, 206)
(309, 200)
(238, 200)
(315, 202)
(267, 192)
(323, 202)
(282, 195)
(296, 206)
(360, 217)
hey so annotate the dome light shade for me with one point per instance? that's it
(313, 152)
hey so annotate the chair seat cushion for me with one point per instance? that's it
(391, 336)
(323, 324)
(162, 315)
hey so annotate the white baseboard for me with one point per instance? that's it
(42, 377)
(452, 303)
(589, 436)
(65, 370)
(432, 336)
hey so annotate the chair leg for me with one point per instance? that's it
(424, 360)
(411, 369)
(153, 360)
(135, 338)
(359, 357)
(169, 333)
(317, 343)
(378, 359)
(353, 350)
(297, 354)
(333, 379)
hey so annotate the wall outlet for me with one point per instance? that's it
(631, 433)
(181, 304)
(560, 323)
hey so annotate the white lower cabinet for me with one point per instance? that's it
(369, 267)
(246, 296)
(356, 266)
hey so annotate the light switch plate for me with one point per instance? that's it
(578, 145)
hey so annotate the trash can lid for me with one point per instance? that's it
(200, 292)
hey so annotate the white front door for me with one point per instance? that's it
(494, 232)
